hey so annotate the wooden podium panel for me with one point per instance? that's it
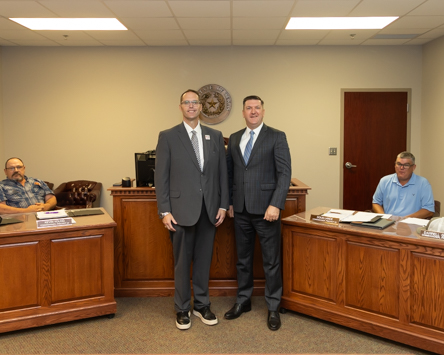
(387, 282)
(55, 274)
(143, 256)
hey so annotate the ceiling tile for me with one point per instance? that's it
(256, 34)
(303, 34)
(79, 8)
(266, 23)
(297, 42)
(209, 34)
(316, 8)
(223, 23)
(112, 35)
(160, 35)
(214, 8)
(16, 8)
(211, 42)
(417, 22)
(152, 23)
(384, 42)
(255, 42)
(134, 8)
(430, 7)
(385, 7)
(259, 8)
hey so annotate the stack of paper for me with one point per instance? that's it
(52, 214)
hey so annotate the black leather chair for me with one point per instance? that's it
(77, 194)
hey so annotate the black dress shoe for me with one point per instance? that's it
(205, 314)
(237, 310)
(274, 320)
(183, 320)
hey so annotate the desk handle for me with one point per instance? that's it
(349, 165)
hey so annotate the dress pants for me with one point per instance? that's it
(246, 225)
(193, 244)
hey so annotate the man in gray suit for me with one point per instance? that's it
(192, 198)
(259, 169)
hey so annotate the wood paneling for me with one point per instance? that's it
(385, 282)
(57, 274)
(144, 264)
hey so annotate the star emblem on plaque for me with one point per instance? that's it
(216, 103)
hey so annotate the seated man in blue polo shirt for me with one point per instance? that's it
(22, 194)
(404, 193)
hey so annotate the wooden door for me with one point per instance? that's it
(375, 132)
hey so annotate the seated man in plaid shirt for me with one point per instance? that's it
(22, 194)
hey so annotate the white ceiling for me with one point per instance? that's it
(222, 22)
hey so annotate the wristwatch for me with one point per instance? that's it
(163, 214)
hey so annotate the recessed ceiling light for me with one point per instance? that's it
(71, 24)
(339, 23)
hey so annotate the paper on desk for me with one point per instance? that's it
(336, 213)
(51, 214)
(419, 221)
(364, 217)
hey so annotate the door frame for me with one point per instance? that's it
(341, 158)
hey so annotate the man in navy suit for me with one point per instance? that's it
(259, 170)
(192, 198)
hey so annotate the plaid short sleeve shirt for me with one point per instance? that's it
(17, 195)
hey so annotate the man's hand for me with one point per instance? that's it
(231, 211)
(168, 221)
(34, 208)
(272, 214)
(220, 217)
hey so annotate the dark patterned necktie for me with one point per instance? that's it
(195, 143)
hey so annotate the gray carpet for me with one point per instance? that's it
(147, 326)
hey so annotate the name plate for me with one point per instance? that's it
(324, 219)
(431, 234)
(56, 222)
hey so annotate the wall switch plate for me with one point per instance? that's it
(332, 151)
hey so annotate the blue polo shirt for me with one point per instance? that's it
(17, 195)
(401, 200)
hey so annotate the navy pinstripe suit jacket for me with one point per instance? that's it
(266, 178)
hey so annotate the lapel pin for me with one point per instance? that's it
(207, 137)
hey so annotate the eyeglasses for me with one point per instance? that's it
(12, 168)
(189, 103)
(404, 166)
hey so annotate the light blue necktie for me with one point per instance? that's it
(248, 148)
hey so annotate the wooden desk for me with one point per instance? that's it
(389, 283)
(144, 264)
(56, 274)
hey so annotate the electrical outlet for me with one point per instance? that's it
(333, 151)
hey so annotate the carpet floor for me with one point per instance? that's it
(147, 326)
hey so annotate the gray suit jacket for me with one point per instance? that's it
(180, 185)
(266, 179)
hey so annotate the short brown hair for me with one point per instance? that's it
(189, 90)
(253, 97)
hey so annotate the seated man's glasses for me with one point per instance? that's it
(189, 103)
(12, 168)
(404, 166)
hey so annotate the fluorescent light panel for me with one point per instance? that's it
(339, 23)
(71, 24)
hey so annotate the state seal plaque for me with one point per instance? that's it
(216, 103)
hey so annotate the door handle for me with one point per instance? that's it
(349, 165)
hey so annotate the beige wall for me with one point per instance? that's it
(82, 113)
(433, 116)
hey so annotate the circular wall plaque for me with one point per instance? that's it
(216, 103)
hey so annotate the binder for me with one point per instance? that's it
(381, 223)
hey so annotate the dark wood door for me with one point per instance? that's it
(375, 132)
